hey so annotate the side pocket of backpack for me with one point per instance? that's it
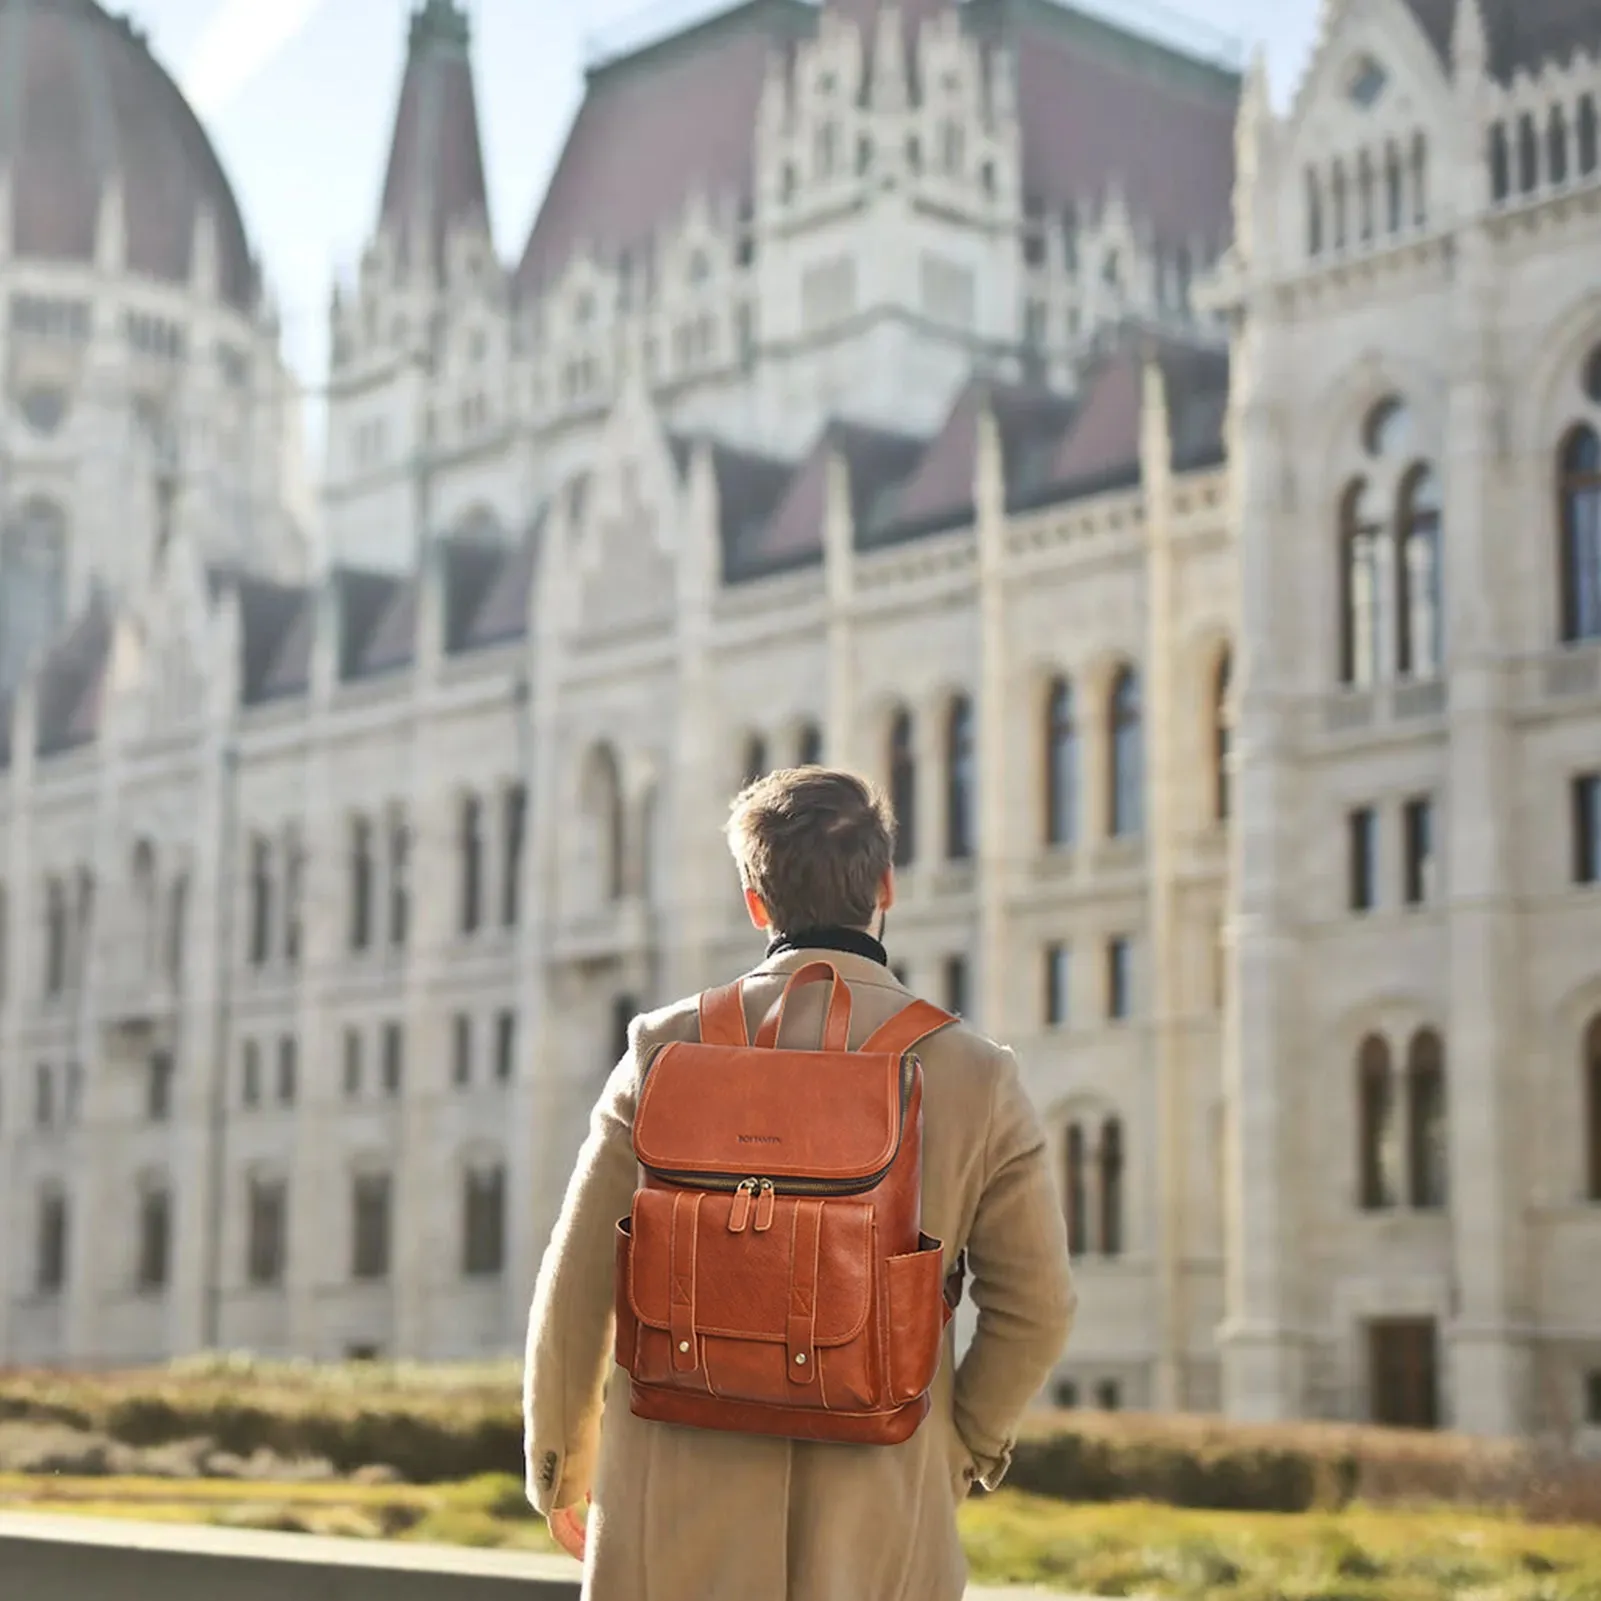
(914, 1287)
(626, 1339)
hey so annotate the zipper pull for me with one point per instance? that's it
(764, 1206)
(741, 1208)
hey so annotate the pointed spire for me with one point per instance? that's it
(1470, 47)
(435, 180)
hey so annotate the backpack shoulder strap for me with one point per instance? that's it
(914, 1022)
(722, 1016)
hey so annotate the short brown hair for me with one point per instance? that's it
(815, 844)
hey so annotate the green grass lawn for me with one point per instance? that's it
(1113, 1550)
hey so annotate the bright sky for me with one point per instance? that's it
(299, 96)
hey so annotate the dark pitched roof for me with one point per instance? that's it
(82, 101)
(276, 622)
(503, 615)
(1098, 105)
(469, 569)
(1522, 34)
(875, 460)
(1102, 448)
(912, 11)
(1197, 383)
(393, 643)
(655, 127)
(71, 683)
(363, 600)
(436, 164)
(749, 488)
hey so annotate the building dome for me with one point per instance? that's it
(85, 104)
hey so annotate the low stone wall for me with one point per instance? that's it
(74, 1559)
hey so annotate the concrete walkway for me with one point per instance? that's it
(59, 1558)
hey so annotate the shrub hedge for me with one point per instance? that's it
(444, 1425)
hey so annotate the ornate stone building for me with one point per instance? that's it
(1192, 515)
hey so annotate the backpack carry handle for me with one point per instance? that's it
(837, 1024)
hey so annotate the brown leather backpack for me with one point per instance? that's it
(772, 1276)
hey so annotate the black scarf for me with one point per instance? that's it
(851, 940)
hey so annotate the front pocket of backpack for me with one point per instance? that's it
(916, 1315)
(781, 1316)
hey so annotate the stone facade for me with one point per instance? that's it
(1159, 559)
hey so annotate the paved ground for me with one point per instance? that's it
(73, 1545)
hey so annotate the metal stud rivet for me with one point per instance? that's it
(800, 1356)
(683, 1345)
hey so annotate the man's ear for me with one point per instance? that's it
(886, 890)
(756, 908)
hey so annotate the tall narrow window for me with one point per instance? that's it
(145, 900)
(514, 828)
(260, 901)
(55, 954)
(1337, 201)
(1077, 1193)
(399, 880)
(1420, 181)
(1128, 765)
(288, 1070)
(1528, 154)
(82, 928)
(1581, 536)
(250, 1074)
(959, 780)
(1111, 1177)
(266, 1232)
(1592, 1110)
(1417, 821)
(461, 1049)
(1119, 979)
(472, 863)
(352, 1063)
(1360, 532)
(158, 1087)
(755, 765)
(1222, 740)
(177, 921)
(294, 895)
(1394, 213)
(956, 997)
(1061, 765)
(505, 1046)
(1556, 146)
(1426, 1121)
(903, 786)
(484, 1222)
(1588, 140)
(370, 1223)
(360, 884)
(1500, 163)
(44, 1096)
(1367, 199)
(809, 748)
(394, 1057)
(1314, 213)
(155, 1227)
(50, 1255)
(1362, 830)
(1587, 829)
(1376, 1121)
(1058, 984)
(1418, 577)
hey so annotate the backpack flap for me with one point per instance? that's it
(714, 1115)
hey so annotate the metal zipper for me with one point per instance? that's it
(764, 1188)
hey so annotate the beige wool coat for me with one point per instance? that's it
(685, 1514)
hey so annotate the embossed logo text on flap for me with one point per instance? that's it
(760, 1139)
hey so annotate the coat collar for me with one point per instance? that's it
(852, 968)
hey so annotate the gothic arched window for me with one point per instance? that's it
(1556, 145)
(33, 584)
(1314, 212)
(959, 780)
(1587, 135)
(1360, 532)
(144, 901)
(809, 747)
(903, 785)
(1393, 209)
(1222, 740)
(1076, 1197)
(1376, 1133)
(1592, 1109)
(1061, 765)
(1500, 163)
(471, 845)
(1127, 767)
(1337, 198)
(1580, 492)
(361, 876)
(1111, 1177)
(1418, 577)
(1426, 1121)
(55, 948)
(1528, 154)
